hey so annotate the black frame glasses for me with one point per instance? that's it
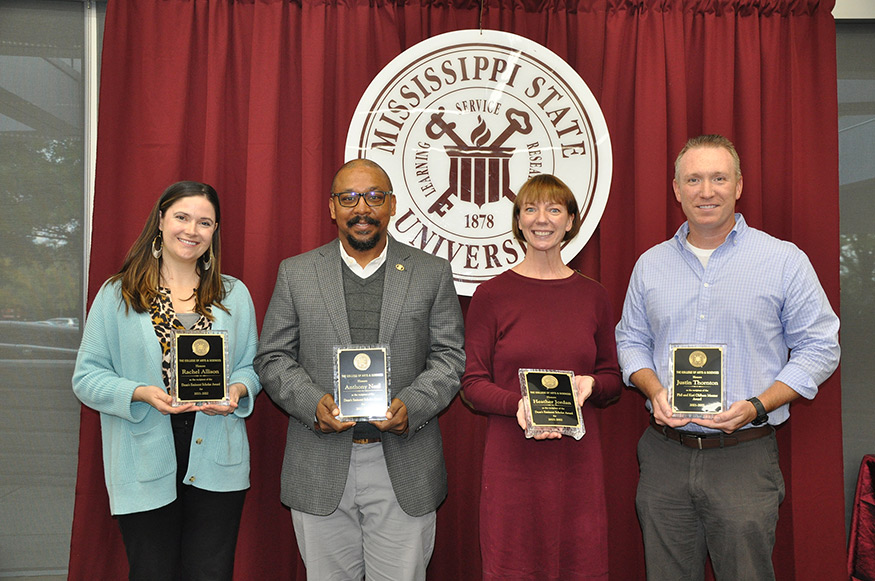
(372, 198)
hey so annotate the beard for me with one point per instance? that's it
(368, 243)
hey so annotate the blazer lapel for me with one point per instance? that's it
(330, 284)
(399, 270)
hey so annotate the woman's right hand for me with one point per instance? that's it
(521, 420)
(159, 399)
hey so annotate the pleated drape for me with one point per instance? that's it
(255, 97)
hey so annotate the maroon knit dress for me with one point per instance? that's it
(542, 505)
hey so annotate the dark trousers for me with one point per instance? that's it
(192, 538)
(722, 502)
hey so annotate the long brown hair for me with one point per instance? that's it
(140, 273)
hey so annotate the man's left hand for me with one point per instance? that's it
(396, 418)
(737, 416)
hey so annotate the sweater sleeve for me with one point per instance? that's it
(97, 379)
(478, 382)
(245, 345)
(606, 371)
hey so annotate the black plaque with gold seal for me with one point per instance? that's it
(697, 379)
(361, 382)
(199, 367)
(550, 403)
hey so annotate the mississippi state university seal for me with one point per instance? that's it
(460, 121)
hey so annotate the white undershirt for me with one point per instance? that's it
(363, 271)
(701, 253)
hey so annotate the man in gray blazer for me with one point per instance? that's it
(363, 494)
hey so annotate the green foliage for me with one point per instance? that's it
(40, 227)
(857, 269)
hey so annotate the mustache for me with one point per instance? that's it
(362, 220)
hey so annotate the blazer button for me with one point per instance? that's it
(199, 441)
(191, 479)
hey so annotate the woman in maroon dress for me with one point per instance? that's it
(542, 504)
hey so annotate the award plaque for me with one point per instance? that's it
(199, 367)
(550, 403)
(361, 382)
(697, 380)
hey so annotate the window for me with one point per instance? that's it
(856, 92)
(45, 62)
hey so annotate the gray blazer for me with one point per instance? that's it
(421, 321)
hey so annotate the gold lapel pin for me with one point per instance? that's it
(399, 267)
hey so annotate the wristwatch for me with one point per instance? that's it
(762, 416)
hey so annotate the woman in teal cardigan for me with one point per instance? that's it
(176, 474)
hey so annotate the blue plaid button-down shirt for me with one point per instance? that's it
(759, 296)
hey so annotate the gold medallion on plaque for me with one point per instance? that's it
(549, 381)
(698, 359)
(362, 361)
(200, 347)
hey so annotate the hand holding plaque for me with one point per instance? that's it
(550, 403)
(697, 380)
(361, 382)
(199, 367)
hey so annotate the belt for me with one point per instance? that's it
(709, 441)
(365, 440)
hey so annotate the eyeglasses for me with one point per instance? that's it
(351, 199)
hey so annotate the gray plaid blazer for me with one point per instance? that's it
(421, 321)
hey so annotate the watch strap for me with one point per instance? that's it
(762, 416)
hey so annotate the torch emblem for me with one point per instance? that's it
(479, 173)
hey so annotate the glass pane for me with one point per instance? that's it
(856, 92)
(41, 268)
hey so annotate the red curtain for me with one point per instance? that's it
(255, 96)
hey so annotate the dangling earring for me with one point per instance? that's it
(157, 245)
(209, 262)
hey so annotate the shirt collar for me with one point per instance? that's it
(370, 268)
(737, 230)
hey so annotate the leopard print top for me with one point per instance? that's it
(163, 320)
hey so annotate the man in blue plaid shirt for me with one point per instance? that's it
(712, 484)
